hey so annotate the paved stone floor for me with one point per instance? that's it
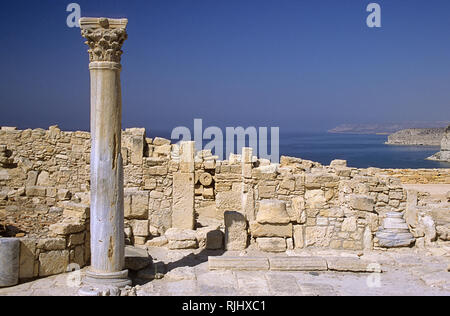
(406, 272)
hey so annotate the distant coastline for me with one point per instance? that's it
(385, 128)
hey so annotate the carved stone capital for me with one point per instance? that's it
(104, 37)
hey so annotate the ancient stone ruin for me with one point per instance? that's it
(79, 197)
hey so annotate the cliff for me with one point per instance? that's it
(417, 137)
(444, 154)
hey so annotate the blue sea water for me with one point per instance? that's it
(360, 151)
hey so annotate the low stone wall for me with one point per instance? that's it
(179, 198)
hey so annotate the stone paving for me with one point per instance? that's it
(405, 272)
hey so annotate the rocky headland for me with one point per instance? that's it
(417, 137)
(444, 154)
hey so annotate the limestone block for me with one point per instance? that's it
(187, 154)
(297, 212)
(298, 264)
(183, 201)
(272, 212)
(76, 210)
(271, 244)
(27, 256)
(157, 241)
(338, 163)
(182, 244)
(315, 199)
(67, 227)
(270, 230)
(238, 263)
(78, 256)
(349, 224)
(43, 179)
(248, 203)
(53, 262)
(319, 236)
(159, 141)
(35, 191)
(208, 193)
(180, 234)
(235, 231)
(150, 184)
(266, 191)
(299, 240)
(136, 149)
(229, 200)
(140, 227)
(209, 238)
(51, 244)
(136, 204)
(31, 178)
(76, 239)
(362, 203)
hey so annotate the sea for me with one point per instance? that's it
(360, 150)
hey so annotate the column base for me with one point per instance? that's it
(116, 279)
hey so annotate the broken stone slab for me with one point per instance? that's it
(209, 238)
(348, 264)
(235, 231)
(270, 230)
(157, 242)
(136, 259)
(271, 244)
(272, 212)
(298, 264)
(9, 261)
(238, 263)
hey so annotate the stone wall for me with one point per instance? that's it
(180, 198)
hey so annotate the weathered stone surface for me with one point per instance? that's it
(229, 200)
(53, 262)
(271, 244)
(297, 212)
(51, 244)
(27, 258)
(136, 259)
(270, 230)
(362, 203)
(238, 263)
(140, 227)
(157, 241)
(210, 238)
(298, 264)
(182, 244)
(315, 199)
(183, 201)
(9, 261)
(136, 204)
(235, 231)
(299, 240)
(272, 212)
(76, 210)
(318, 236)
(349, 224)
(348, 264)
(67, 227)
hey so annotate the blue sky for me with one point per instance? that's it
(302, 65)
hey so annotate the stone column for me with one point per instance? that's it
(105, 38)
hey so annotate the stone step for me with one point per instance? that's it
(238, 263)
(288, 263)
(298, 264)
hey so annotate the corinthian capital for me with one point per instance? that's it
(104, 37)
